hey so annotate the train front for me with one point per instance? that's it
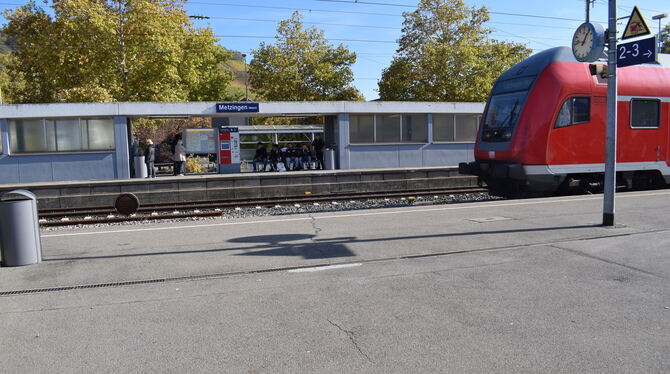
(513, 132)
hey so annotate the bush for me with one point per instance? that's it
(194, 165)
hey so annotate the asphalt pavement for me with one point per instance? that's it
(504, 286)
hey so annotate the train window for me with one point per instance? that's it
(414, 128)
(502, 114)
(644, 113)
(574, 111)
(361, 129)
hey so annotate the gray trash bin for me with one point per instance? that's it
(19, 229)
(329, 159)
(140, 167)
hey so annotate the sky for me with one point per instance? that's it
(372, 30)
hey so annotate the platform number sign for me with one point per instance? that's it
(637, 52)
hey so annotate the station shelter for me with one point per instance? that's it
(91, 141)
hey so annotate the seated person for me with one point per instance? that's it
(261, 156)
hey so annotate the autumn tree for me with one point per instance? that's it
(113, 50)
(665, 39)
(302, 65)
(445, 54)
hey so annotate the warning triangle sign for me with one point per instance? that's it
(635, 26)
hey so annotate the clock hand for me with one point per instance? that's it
(585, 36)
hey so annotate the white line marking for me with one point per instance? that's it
(336, 216)
(322, 268)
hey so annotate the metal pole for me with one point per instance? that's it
(588, 15)
(246, 78)
(610, 138)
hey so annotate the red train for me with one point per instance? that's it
(543, 129)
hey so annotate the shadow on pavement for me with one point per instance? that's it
(289, 244)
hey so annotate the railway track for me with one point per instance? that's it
(102, 215)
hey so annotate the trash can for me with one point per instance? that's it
(19, 229)
(140, 167)
(329, 159)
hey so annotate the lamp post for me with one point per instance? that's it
(246, 78)
(659, 17)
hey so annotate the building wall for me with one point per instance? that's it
(65, 166)
(409, 155)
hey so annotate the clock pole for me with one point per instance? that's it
(610, 132)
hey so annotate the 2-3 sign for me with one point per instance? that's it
(635, 53)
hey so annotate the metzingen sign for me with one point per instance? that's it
(237, 107)
(635, 53)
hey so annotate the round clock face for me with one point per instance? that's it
(588, 42)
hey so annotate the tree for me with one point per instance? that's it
(445, 54)
(113, 50)
(665, 39)
(302, 66)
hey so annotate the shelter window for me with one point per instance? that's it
(414, 128)
(388, 128)
(455, 127)
(61, 135)
(361, 129)
(644, 113)
(574, 111)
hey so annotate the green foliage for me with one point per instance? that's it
(665, 39)
(445, 54)
(302, 66)
(113, 50)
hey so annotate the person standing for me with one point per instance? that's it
(318, 145)
(179, 157)
(149, 158)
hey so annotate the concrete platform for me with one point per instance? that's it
(81, 194)
(509, 286)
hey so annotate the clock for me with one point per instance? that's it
(588, 43)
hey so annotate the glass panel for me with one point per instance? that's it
(581, 111)
(27, 136)
(50, 126)
(443, 128)
(68, 135)
(100, 134)
(466, 127)
(513, 85)
(501, 116)
(564, 115)
(414, 128)
(388, 128)
(644, 113)
(361, 129)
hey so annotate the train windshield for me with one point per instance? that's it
(502, 115)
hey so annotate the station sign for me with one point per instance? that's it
(229, 145)
(245, 107)
(637, 52)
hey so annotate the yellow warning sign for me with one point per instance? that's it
(636, 25)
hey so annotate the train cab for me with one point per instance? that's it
(543, 128)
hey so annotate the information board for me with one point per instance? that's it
(200, 141)
(229, 146)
